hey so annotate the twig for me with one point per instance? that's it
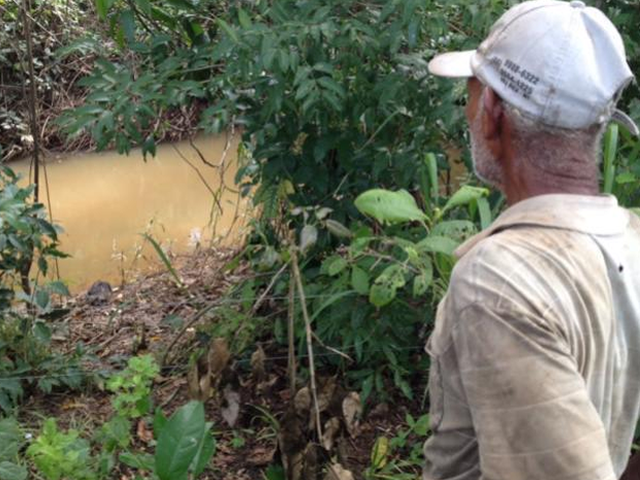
(197, 316)
(307, 324)
(331, 349)
(291, 363)
(264, 294)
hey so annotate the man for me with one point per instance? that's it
(535, 368)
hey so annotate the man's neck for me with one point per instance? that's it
(525, 182)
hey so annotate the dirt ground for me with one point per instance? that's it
(257, 424)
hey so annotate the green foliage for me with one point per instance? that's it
(185, 444)
(27, 240)
(11, 442)
(55, 23)
(26, 237)
(401, 457)
(59, 455)
(133, 385)
(341, 124)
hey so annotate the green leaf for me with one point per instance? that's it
(164, 259)
(422, 281)
(422, 426)
(308, 238)
(458, 230)
(181, 4)
(42, 299)
(386, 285)
(181, 441)
(159, 422)
(141, 461)
(485, 212)
(59, 288)
(438, 244)
(244, 19)
(333, 265)
(42, 332)
(465, 195)
(144, 6)
(338, 229)
(11, 439)
(360, 280)
(205, 452)
(389, 207)
(128, 25)
(626, 177)
(103, 7)
(11, 471)
(228, 30)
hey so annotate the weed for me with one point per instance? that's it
(133, 387)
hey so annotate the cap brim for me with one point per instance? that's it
(626, 121)
(452, 64)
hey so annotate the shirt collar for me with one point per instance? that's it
(593, 215)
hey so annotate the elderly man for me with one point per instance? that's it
(535, 355)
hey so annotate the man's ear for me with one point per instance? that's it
(493, 113)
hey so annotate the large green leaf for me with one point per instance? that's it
(10, 439)
(11, 471)
(438, 244)
(465, 195)
(103, 6)
(181, 442)
(389, 207)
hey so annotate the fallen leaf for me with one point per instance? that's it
(231, 412)
(379, 453)
(262, 456)
(310, 462)
(302, 401)
(327, 388)
(257, 364)
(352, 410)
(143, 432)
(331, 429)
(218, 357)
(338, 472)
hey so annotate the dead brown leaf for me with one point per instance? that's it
(352, 410)
(338, 472)
(257, 364)
(331, 429)
(231, 411)
(144, 434)
(302, 401)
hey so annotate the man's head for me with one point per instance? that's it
(542, 87)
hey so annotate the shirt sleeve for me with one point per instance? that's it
(530, 408)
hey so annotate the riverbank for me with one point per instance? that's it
(251, 404)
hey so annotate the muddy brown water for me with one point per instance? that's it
(105, 202)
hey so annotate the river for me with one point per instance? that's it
(105, 202)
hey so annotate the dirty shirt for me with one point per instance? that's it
(535, 354)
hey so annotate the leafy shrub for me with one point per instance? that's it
(11, 442)
(27, 240)
(133, 385)
(334, 100)
(59, 455)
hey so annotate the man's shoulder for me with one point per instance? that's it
(517, 265)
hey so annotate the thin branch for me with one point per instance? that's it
(307, 324)
(291, 363)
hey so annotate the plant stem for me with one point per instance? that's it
(307, 324)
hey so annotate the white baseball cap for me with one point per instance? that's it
(560, 63)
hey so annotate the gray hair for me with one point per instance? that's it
(555, 151)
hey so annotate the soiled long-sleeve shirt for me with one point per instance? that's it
(535, 354)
